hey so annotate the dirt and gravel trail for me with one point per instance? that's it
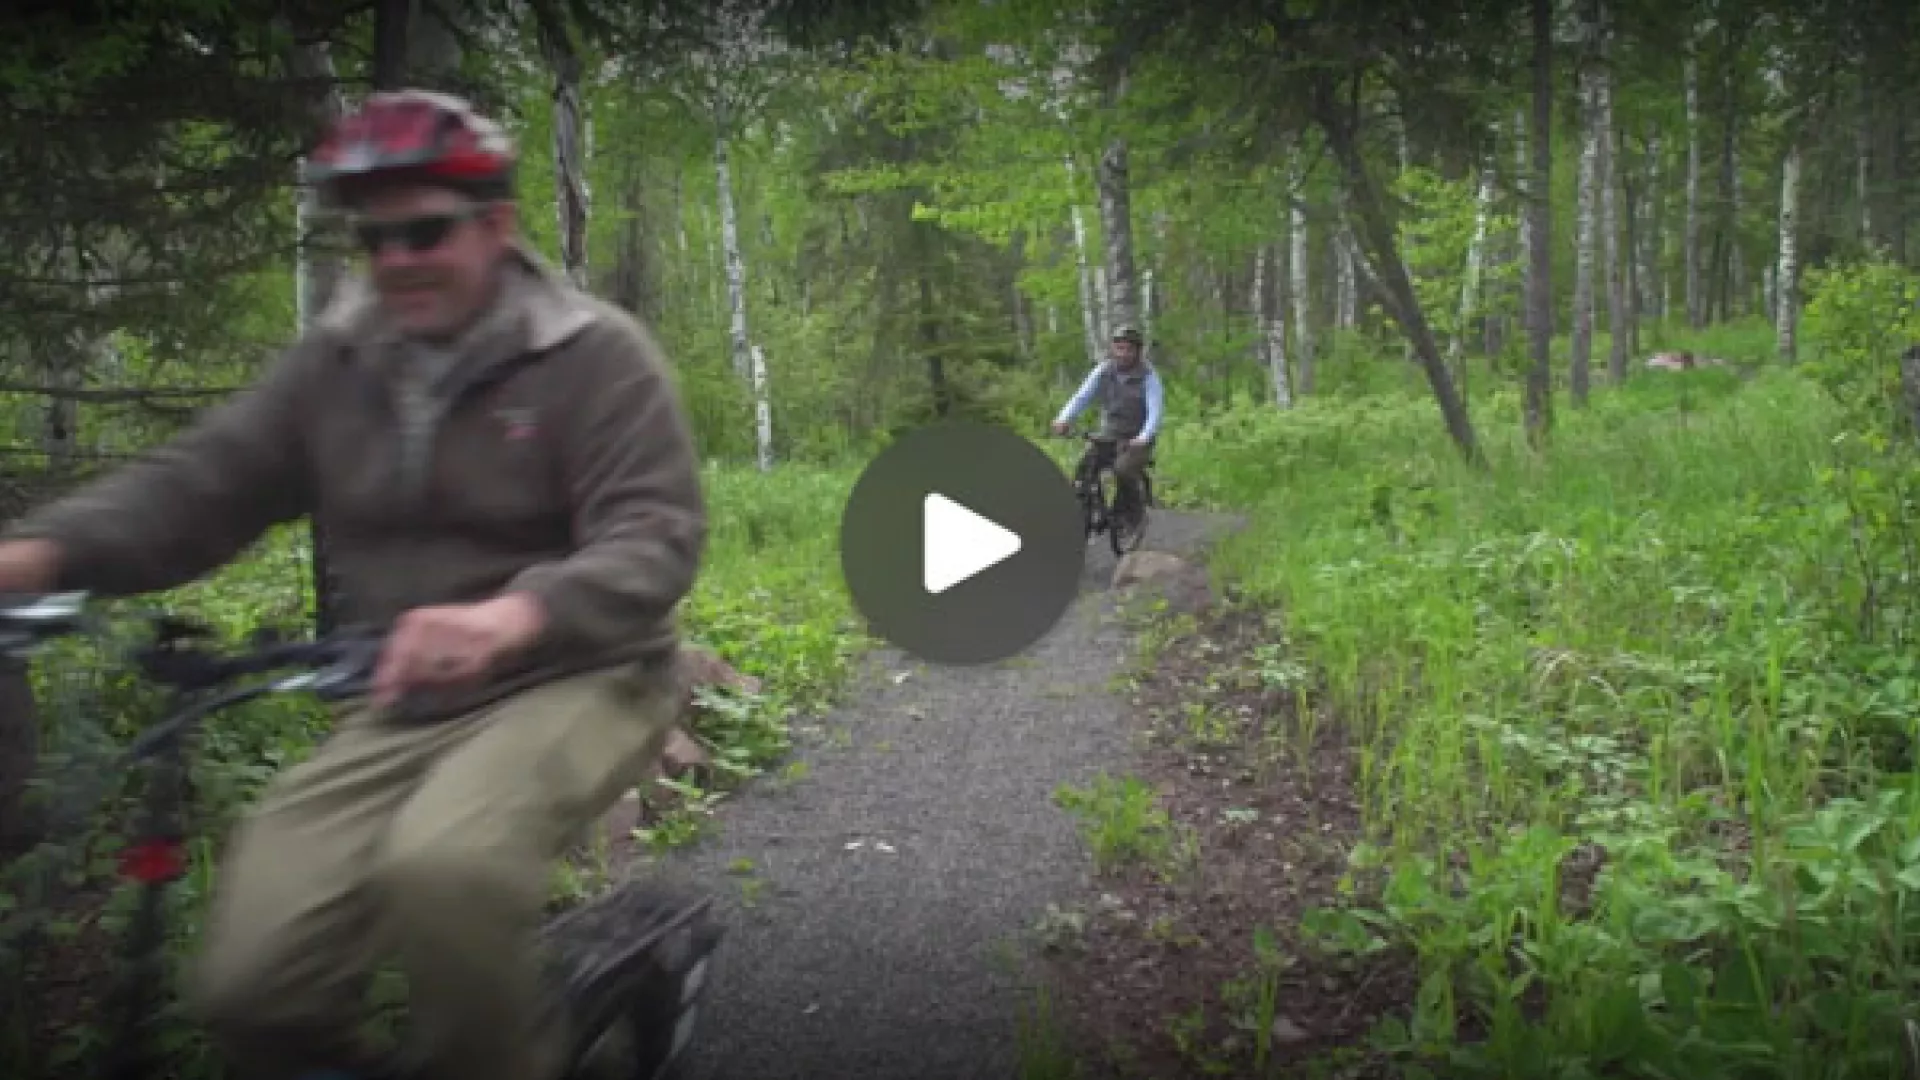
(878, 903)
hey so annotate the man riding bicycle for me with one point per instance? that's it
(1131, 402)
(503, 471)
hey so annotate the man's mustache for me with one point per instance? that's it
(408, 280)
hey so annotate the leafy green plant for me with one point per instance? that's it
(1633, 719)
(1122, 822)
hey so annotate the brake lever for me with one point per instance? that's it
(33, 620)
(348, 674)
(171, 630)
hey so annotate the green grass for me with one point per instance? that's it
(1652, 638)
(1649, 639)
(1122, 823)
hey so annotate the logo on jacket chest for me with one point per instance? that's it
(517, 423)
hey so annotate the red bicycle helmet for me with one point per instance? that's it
(413, 135)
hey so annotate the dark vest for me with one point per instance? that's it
(1123, 400)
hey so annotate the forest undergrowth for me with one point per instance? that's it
(1633, 719)
(1674, 646)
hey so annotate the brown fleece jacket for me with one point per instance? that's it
(551, 456)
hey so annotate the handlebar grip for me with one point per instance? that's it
(29, 620)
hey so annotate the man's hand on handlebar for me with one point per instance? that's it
(29, 566)
(452, 644)
(1059, 427)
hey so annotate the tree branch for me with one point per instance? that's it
(116, 394)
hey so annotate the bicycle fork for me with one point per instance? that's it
(155, 860)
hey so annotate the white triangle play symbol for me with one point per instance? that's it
(958, 543)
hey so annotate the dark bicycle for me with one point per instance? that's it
(1097, 487)
(629, 965)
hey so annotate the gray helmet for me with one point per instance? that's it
(1128, 332)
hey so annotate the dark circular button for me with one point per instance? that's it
(962, 543)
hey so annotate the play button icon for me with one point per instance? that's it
(962, 543)
(958, 543)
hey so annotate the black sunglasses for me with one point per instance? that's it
(416, 234)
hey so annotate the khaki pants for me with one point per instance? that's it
(432, 845)
(1129, 465)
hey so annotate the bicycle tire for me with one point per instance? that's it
(1092, 509)
(1129, 540)
(1123, 540)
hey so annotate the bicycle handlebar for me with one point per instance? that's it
(339, 664)
(1085, 436)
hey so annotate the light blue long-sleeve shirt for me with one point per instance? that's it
(1156, 400)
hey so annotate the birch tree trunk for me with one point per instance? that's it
(1619, 316)
(1151, 301)
(1729, 266)
(680, 214)
(1786, 277)
(1271, 310)
(1632, 224)
(1257, 300)
(1217, 298)
(1652, 235)
(635, 284)
(1523, 219)
(571, 194)
(1121, 303)
(1586, 228)
(1470, 282)
(1022, 310)
(1146, 305)
(1090, 313)
(762, 411)
(716, 274)
(1696, 308)
(65, 367)
(1346, 286)
(1863, 162)
(1299, 275)
(316, 271)
(1896, 225)
(1738, 284)
(736, 262)
(1404, 151)
(1539, 399)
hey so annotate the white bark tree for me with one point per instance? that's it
(762, 411)
(1299, 272)
(1091, 310)
(1619, 317)
(726, 79)
(1346, 285)
(1690, 255)
(1786, 271)
(1863, 162)
(1470, 281)
(571, 193)
(1651, 236)
(1523, 216)
(1586, 227)
(1270, 314)
(315, 271)
(1115, 185)
(735, 259)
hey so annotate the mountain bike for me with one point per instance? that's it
(629, 966)
(1097, 487)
